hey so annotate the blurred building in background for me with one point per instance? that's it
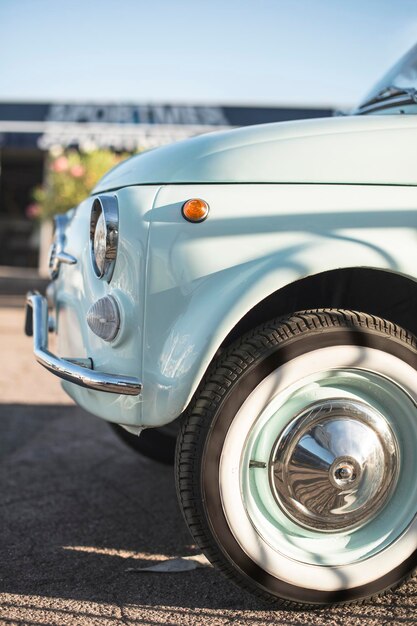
(29, 131)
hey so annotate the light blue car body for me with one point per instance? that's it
(287, 201)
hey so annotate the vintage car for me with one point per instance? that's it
(260, 285)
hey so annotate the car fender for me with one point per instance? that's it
(203, 278)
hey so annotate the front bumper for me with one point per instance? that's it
(78, 371)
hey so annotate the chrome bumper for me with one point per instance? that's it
(78, 371)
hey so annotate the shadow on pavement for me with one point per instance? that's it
(78, 509)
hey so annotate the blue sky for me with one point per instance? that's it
(229, 51)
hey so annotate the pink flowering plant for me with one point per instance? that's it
(69, 178)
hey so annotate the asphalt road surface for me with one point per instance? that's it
(79, 511)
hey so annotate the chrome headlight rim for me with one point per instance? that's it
(106, 206)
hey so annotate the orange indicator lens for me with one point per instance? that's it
(195, 210)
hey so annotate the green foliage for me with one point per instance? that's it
(69, 178)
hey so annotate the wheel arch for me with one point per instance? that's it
(384, 293)
(380, 292)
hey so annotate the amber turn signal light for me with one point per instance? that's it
(195, 210)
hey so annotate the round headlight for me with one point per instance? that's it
(99, 243)
(104, 231)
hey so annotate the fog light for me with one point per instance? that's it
(103, 318)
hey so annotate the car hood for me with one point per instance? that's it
(346, 150)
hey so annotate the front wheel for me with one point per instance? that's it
(296, 464)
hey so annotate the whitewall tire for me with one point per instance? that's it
(296, 463)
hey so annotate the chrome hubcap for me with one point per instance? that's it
(335, 465)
